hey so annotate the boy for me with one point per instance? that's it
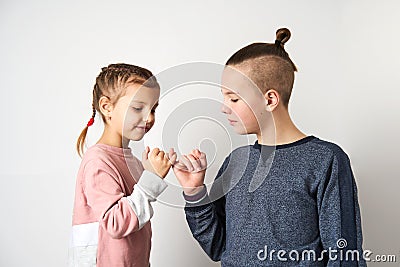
(289, 199)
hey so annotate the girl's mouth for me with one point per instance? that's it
(143, 128)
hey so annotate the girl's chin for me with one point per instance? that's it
(138, 137)
(135, 137)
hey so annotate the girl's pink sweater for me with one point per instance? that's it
(112, 210)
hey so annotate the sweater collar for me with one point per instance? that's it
(118, 151)
(295, 143)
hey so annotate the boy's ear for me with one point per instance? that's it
(271, 99)
(105, 106)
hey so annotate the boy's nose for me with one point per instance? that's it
(225, 109)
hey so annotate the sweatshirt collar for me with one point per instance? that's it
(118, 151)
(295, 143)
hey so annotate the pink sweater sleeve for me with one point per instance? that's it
(120, 214)
(106, 198)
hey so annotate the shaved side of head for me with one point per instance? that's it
(270, 72)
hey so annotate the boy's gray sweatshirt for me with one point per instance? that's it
(289, 205)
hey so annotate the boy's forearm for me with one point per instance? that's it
(340, 219)
(206, 226)
(207, 219)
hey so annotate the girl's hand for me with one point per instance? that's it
(190, 171)
(157, 161)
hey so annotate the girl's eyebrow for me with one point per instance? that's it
(142, 102)
(137, 101)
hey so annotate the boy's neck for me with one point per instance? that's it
(282, 131)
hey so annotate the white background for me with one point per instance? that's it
(346, 91)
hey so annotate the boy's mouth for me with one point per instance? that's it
(232, 122)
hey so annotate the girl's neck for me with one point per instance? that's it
(281, 131)
(112, 138)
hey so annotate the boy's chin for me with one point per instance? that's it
(242, 131)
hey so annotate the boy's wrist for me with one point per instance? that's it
(195, 194)
(190, 191)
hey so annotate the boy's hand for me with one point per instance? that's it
(157, 161)
(190, 171)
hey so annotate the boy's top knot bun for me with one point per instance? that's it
(261, 50)
(282, 36)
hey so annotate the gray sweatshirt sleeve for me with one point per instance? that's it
(206, 221)
(339, 214)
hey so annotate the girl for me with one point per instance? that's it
(112, 210)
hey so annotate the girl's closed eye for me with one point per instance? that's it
(234, 100)
(137, 108)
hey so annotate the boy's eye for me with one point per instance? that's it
(235, 100)
(137, 109)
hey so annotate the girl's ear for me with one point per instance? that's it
(105, 106)
(271, 99)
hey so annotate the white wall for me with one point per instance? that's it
(346, 91)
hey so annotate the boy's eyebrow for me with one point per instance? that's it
(229, 93)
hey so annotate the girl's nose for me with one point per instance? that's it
(149, 118)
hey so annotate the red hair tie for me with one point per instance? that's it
(90, 122)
